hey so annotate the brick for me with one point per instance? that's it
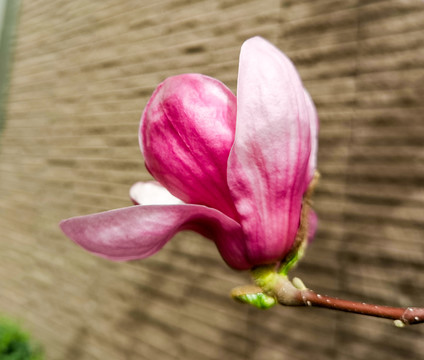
(84, 70)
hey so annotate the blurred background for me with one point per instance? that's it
(75, 77)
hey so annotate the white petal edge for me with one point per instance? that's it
(152, 193)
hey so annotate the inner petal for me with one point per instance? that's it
(186, 134)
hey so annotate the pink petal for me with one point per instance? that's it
(137, 232)
(152, 193)
(312, 225)
(268, 164)
(186, 134)
(314, 127)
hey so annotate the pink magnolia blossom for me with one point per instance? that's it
(233, 169)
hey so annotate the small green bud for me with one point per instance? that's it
(253, 295)
(260, 300)
(298, 284)
(399, 323)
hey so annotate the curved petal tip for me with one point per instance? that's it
(137, 232)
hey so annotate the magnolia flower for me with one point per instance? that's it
(233, 169)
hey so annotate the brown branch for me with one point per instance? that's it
(409, 315)
(295, 293)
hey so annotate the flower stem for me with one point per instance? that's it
(409, 315)
(295, 293)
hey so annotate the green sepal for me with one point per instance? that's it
(259, 300)
(291, 261)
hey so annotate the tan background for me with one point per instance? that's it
(82, 73)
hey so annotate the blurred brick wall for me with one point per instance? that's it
(83, 71)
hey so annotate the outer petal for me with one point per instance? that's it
(137, 232)
(314, 127)
(186, 134)
(267, 171)
(152, 193)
